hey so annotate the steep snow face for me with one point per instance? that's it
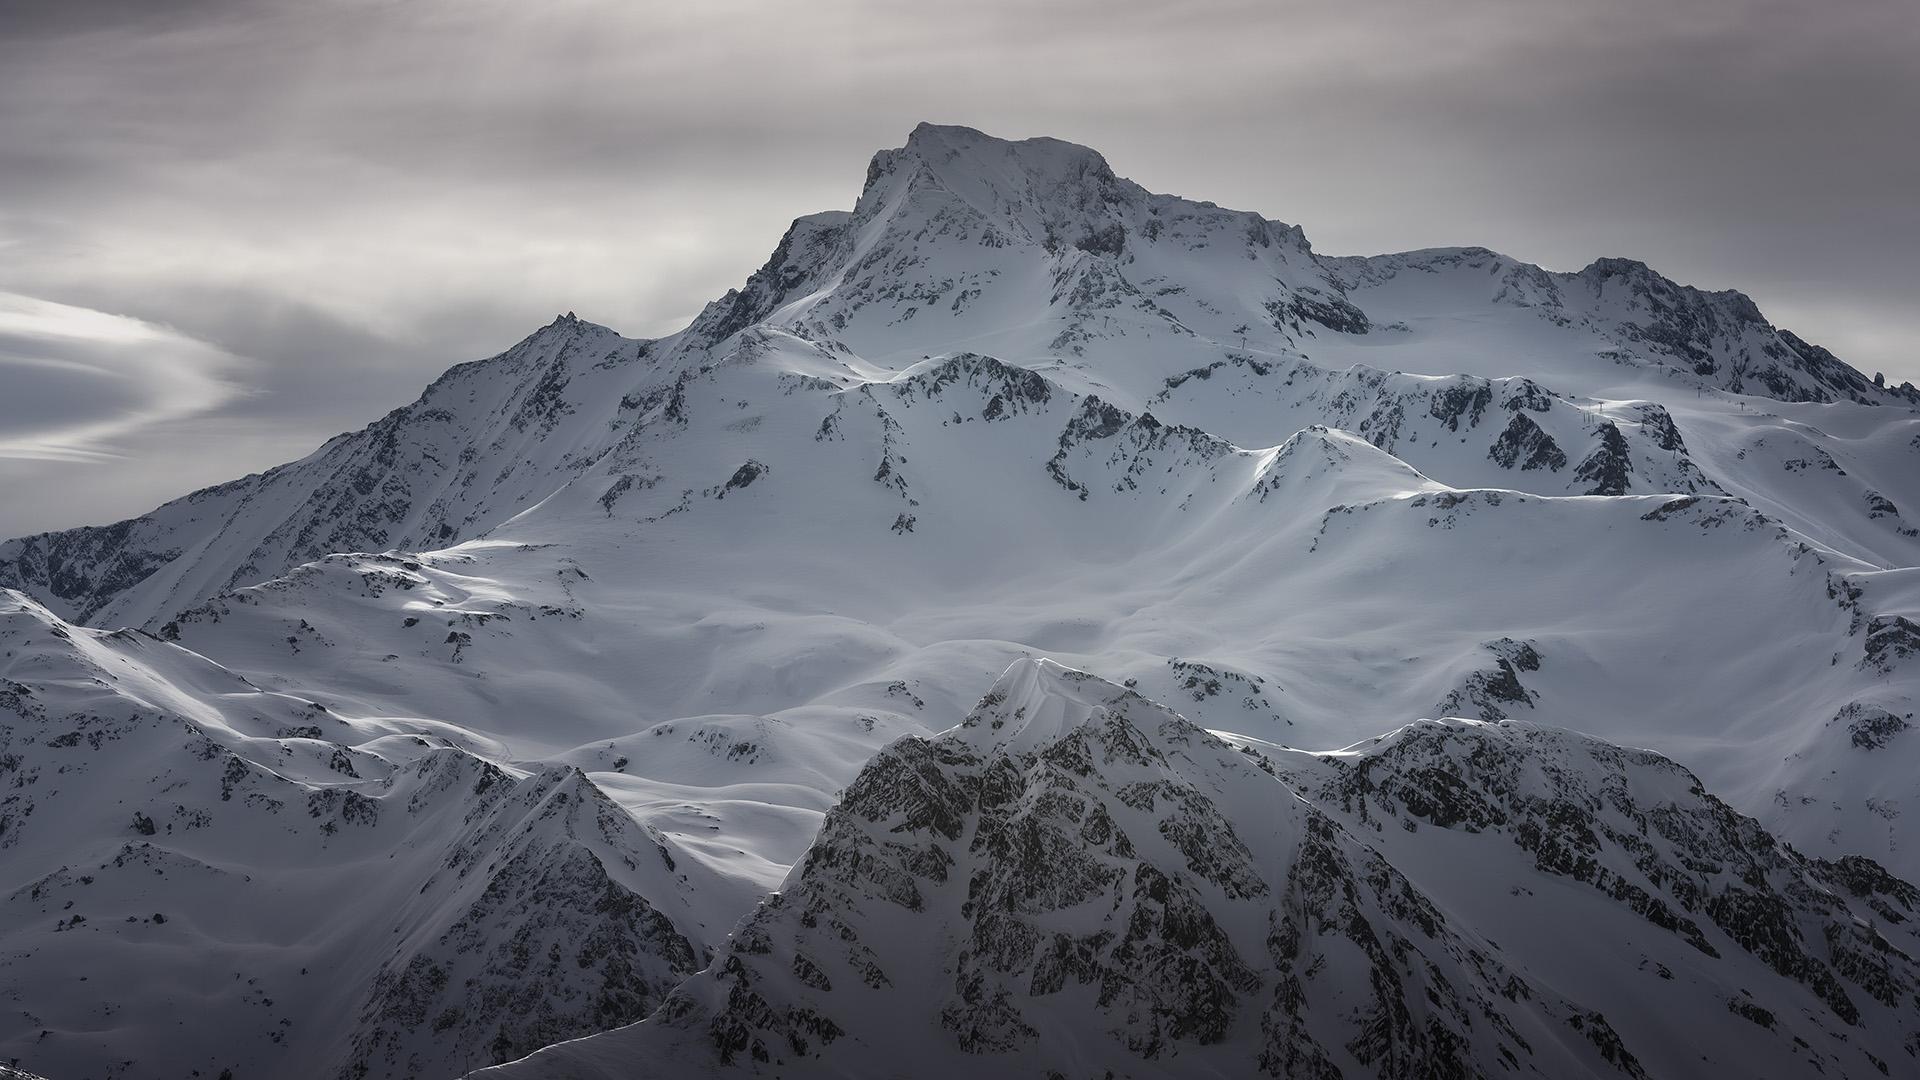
(1010, 405)
(1076, 880)
(202, 875)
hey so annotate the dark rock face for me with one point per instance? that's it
(743, 476)
(1691, 866)
(1488, 695)
(553, 948)
(1870, 727)
(1722, 338)
(1891, 640)
(1525, 446)
(1658, 422)
(1110, 239)
(1461, 405)
(1065, 861)
(1840, 378)
(1333, 312)
(1608, 470)
(81, 566)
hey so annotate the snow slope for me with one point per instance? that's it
(1010, 405)
(239, 879)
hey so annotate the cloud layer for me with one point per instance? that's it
(355, 194)
(80, 381)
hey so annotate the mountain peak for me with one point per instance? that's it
(1029, 184)
(1321, 463)
(1608, 266)
(1035, 701)
(1645, 278)
(941, 143)
(566, 325)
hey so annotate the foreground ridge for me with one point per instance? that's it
(1076, 881)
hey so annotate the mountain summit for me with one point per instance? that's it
(1028, 184)
(1295, 582)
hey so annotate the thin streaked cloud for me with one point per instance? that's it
(80, 382)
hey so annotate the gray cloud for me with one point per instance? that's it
(356, 194)
(79, 380)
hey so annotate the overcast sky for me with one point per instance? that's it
(231, 229)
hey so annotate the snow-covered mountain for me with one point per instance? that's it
(1037, 254)
(501, 711)
(1075, 881)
